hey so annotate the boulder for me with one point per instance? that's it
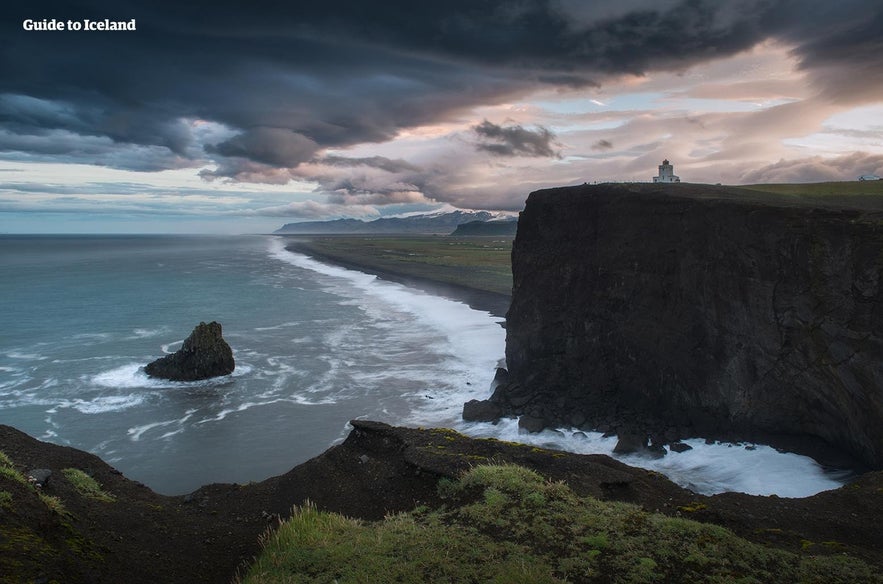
(630, 442)
(203, 355)
(531, 424)
(40, 476)
(481, 411)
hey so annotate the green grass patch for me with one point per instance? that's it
(54, 503)
(824, 189)
(86, 485)
(863, 195)
(8, 470)
(480, 263)
(505, 523)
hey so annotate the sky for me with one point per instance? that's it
(238, 117)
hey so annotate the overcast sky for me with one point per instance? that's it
(233, 117)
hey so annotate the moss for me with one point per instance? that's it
(22, 554)
(5, 461)
(693, 507)
(53, 503)
(86, 485)
(10, 473)
(505, 523)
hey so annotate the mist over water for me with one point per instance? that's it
(315, 346)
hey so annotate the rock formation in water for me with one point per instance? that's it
(204, 354)
(698, 310)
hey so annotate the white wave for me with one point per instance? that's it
(15, 354)
(130, 375)
(136, 432)
(278, 326)
(471, 343)
(93, 336)
(168, 349)
(143, 333)
(104, 404)
(706, 469)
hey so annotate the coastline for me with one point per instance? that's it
(483, 300)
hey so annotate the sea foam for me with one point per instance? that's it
(476, 343)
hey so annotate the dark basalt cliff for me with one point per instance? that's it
(698, 310)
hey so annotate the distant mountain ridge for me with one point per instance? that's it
(498, 227)
(436, 223)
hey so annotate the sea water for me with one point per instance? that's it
(315, 346)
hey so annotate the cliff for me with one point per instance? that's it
(698, 310)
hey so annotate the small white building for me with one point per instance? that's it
(869, 177)
(666, 173)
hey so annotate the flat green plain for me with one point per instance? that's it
(478, 263)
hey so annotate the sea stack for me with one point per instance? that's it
(205, 354)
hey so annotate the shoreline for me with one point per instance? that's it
(483, 300)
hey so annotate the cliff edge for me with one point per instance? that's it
(697, 310)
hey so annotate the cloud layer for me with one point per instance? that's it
(402, 102)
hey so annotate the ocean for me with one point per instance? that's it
(315, 345)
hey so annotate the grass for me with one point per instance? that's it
(824, 189)
(505, 523)
(480, 263)
(8, 470)
(86, 485)
(863, 195)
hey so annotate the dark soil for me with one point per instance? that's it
(209, 535)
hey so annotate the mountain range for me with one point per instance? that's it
(432, 223)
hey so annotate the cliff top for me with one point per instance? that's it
(856, 195)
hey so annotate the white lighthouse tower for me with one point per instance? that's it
(666, 173)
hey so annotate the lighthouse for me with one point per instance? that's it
(666, 173)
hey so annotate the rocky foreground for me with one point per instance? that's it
(56, 532)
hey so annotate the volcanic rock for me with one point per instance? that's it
(203, 355)
(715, 310)
(481, 411)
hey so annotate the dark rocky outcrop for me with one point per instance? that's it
(142, 537)
(695, 310)
(481, 411)
(203, 355)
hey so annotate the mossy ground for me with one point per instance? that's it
(479, 263)
(505, 523)
(38, 542)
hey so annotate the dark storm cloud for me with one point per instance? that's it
(602, 145)
(290, 80)
(515, 140)
(381, 162)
